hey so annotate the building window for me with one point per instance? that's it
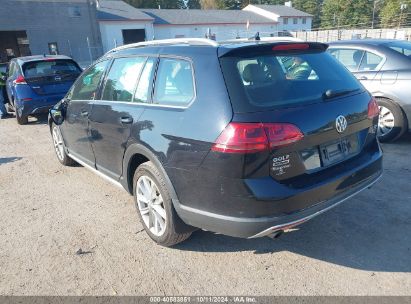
(295, 20)
(304, 20)
(285, 20)
(53, 49)
(74, 11)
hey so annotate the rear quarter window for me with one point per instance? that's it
(259, 83)
(174, 83)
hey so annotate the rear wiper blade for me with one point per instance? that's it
(337, 93)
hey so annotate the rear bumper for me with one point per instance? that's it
(290, 210)
(36, 106)
(305, 215)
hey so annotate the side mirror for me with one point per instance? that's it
(57, 113)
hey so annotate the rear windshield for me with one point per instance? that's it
(259, 83)
(402, 47)
(51, 70)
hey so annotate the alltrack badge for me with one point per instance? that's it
(340, 124)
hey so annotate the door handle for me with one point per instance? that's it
(363, 78)
(126, 120)
(84, 113)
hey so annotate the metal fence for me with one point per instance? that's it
(347, 34)
(85, 54)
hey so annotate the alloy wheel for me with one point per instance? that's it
(151, 205)
(386, 121)
(58, 143)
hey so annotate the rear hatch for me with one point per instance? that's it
(310, 114)
(50, 76)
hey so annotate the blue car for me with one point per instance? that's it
(36, 83)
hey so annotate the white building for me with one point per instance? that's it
(121, 23)
(219, 24)
(288, 18)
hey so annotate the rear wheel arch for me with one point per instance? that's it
(399, 114)
(137, 154)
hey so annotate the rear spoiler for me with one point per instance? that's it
(283, 48)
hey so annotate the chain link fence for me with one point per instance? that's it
(86, 54)
(348, 34)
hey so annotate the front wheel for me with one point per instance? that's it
(392, 123)
(59, 147)
(155, 209)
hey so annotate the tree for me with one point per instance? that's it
(209, 4)
(312, 7)
(346, 13)
(391, 14)
(230, 4)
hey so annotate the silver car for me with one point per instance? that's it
(384, 68)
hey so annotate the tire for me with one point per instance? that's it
(174, 230)
(392, 122)
(21, 120)
(59, 147)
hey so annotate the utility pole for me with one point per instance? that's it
(402, 8)
(373, 14)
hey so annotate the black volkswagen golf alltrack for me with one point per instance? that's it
(247, 139)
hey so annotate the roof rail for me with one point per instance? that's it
(189, 41)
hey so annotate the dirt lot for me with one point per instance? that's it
(48, 212)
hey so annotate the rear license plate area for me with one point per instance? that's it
(339, 150)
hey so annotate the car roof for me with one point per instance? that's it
(193, 43)
(25, 59)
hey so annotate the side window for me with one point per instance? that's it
(370, 62)
(142, 93)
(348, 57)
(122, 79)
(174, 84)
(86, 86)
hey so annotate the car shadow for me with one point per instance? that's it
(325, 238)
(370, 231)
(5, 160)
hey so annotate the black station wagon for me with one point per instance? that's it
(247, 139)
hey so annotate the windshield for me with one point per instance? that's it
(50, 69)
(270, 81)
(402, 47)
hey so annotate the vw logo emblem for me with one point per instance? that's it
(341, 124)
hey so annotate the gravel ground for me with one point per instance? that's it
(49, 212)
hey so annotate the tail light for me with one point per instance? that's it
(282, 134)
(373, 109)
(255, 137)
(20, 80)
